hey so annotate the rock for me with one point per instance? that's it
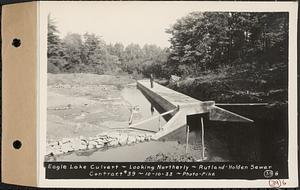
(100, 142)
(131, 140)
(138, 138)
(76, 147)
(142, 138)
(83, 141)
(113, 143)
(123, 139)
(93, 143)
(114, 135)
(67, 148)
(104, 138)
(56, 152)
(148, 137)
(109, 139)
(99, 145)
(82, 147)
(76, 144)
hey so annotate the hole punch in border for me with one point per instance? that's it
(16, 42)
(17, 144)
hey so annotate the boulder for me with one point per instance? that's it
(113, 143)
(93, 143)
(131, 140)
(67, 148)
(138, 139)
(82, 147)
(56, 152)
(91, 146)
(83, 141)
(114, 135)
(123, 139)
(100, 142)
(148, 137)
(76, 144)
(142, 138)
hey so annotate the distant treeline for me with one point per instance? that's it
(89, 53)
(199, 42)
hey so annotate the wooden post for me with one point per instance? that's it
(202, 138)
(187, 138)
(151, 80)
(130, 118)
(159, 123)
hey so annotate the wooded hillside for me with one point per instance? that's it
(199, 42)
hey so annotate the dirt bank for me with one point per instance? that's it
(248, 84)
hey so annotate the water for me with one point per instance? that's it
(145, 109)
(128, 153)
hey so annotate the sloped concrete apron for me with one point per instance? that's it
(186, 105)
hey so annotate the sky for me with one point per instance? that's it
(125, 22)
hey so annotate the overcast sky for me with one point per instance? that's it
(126, 22)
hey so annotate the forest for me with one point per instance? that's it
(200, 42)
(89, 53)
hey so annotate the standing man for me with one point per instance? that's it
(151, 80)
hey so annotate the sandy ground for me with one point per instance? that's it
(85, 104)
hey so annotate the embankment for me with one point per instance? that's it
(248, 84)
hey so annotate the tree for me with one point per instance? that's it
(209, 40)
(154, 59)
(55, 51)
(132, 58)
(93, 53)
(73, 47)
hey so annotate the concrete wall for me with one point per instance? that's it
(157, 98)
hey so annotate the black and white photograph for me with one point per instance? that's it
(128, 83)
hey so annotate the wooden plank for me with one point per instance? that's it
(151, 118)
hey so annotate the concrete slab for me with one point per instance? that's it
(170, 99)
